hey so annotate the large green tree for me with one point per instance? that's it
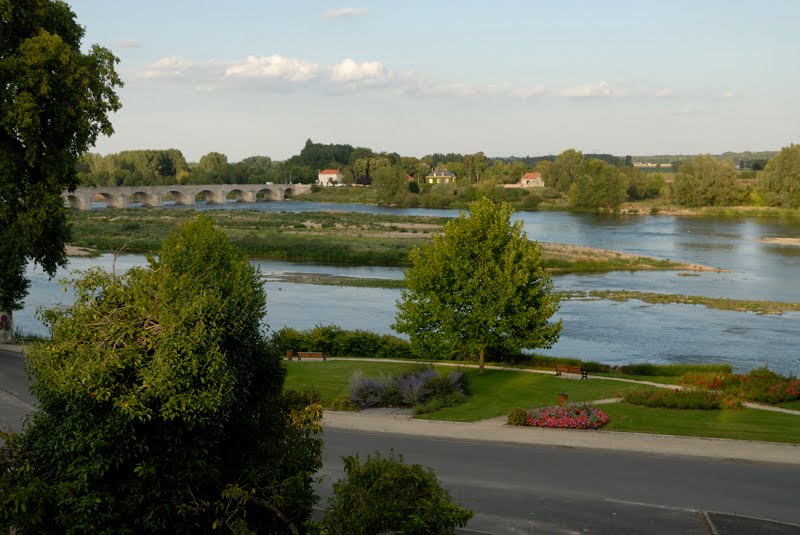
(567, 168)
(54, 102)
(161, 407)
(779, 182)
(599, 186)
(477, 288)
(706, 181)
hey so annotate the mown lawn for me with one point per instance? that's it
(497, 391)
(738, 424)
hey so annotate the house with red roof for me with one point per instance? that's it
(330, 177)
(531, 180)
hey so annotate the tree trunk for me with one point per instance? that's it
(481, 361)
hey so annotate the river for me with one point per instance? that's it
(605, 331)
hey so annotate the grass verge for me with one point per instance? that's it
(737, 424)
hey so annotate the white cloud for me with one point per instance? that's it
(344, 12)
(128, 43)
(169, 67)
(274, 66)
(351, 71)
(600, 89)
(726, 94)
(664, 92)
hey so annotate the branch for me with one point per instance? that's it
(266, 505)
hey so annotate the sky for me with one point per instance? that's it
(507, 77)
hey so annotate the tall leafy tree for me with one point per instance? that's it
(54, 102)
(480, 287)
(779, 182)
(706, 181)
(600, 186)
(567, 168)
(161, 406)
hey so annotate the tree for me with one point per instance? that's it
(386, 495)
(389, 182)
(779, 182)
(564, 171)
(706, 181)
(54, 103)
(480, 287)
(601, 185)
(161, 406)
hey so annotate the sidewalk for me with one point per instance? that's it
(495, 430)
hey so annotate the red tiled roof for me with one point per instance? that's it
(329, 172)
(531, 176)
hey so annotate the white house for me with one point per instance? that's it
(330, 177)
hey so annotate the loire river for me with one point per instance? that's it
(605, 331)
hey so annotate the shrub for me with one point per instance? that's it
(343, 403)
(680, 399)
(570, 416)
(517, 416)
(760, 384)
(366, 391)
(672, 370)
(385, 495)
(339, 342)
(440, 402)
(414, 388)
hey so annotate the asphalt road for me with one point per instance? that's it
(545, 489)
(15, 399)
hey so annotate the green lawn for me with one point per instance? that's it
(332, 378)
(497, 391)
(795, 405)
(739, 424)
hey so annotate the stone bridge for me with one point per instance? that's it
(152, 196)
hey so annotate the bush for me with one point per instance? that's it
(385, 495)
(343, 403)
(339, 342)
(672, 370)
(680, 399)
(569, 416)
(761, 385)
(517, 416)
(421, 387)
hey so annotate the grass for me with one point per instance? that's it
(498, 391)
(737, 424)
(332, 378)
(795, 405)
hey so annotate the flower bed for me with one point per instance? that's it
(570, 416)
(760, 384)
(687, 398)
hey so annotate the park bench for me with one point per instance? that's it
(566, 368)
(311, 355)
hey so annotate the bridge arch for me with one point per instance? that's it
(75, 202)
(209, 196)
(181, 198)
(267, 194)
(236, 195)
(150, 200)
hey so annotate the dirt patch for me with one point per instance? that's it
(71, 250)
(792, 242)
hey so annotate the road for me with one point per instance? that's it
(521, 489)
(545, 489)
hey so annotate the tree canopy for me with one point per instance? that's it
(161, 406)
(480, 287)
(779, 182)
(706, 181)
(54, 103)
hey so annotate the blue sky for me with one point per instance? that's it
(505, 77)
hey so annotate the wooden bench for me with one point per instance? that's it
(311, 355)
(566, 368)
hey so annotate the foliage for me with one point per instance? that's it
(54, 102)
(687, 398)
(517, 416)
(599, 186)
(671, 370)
(416, 387)
(760, 384)
(706, 181)
(338, 342)
(161, 407)
(386, 495)
(479, 285)
(569, 416)
(566, 169)
(343, 403)
(779, 182)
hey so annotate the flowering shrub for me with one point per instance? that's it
(688, 398)
(760, 384)
(421, 387)
(569, 416)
